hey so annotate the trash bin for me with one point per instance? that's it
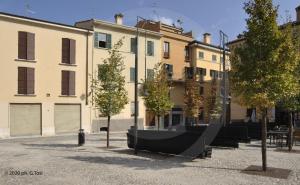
(81, 137)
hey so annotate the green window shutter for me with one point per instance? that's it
(150, 48)
(132, 74)
(150, 74)
(133, 45)
(108, 41)
(96, 41)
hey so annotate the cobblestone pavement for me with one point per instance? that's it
(58, 160)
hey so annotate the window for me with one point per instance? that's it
(132, 74)
(202, 71)
(25, 80)
(221, 59)
(169, 70)
(150, 74)
(68, 83)
(68, 51)
(201, 90)
(133, 45)
(132, 108)
(102, 40)
(189, 72)
(150, 48)
(213, 73)
(26, 45)
(166, 49)
(201, 55)
(187, 53)
(214, 58)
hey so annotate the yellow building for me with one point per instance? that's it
(175, 56)
(208, 61)
(43, 77)
(149, 52)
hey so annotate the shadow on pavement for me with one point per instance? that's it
(136, 163)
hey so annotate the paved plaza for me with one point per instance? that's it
(58, 160)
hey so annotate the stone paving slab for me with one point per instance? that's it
(58, 160)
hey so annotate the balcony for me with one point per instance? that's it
(166, 55)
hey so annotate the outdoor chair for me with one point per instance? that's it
(296, 136)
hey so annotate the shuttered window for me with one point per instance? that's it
(133, 45)
(150, 48)
(26, 45)
(68, 51)
(102, 40)
(68, 83)
(25, 80)
(150, 74)
(201, 55)
(214, 58)
(132, 74)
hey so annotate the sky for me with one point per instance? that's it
(200, 16)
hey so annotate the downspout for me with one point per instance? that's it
(87, 69)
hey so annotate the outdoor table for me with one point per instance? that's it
(277, 134)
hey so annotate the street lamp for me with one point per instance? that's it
(136, 84)
(223, 41)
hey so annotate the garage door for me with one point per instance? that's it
(67, 118)
(25, 119)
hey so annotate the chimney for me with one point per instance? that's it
(119, 18)
(298, 14)
(207, 38)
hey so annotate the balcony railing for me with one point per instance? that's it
(166, 55)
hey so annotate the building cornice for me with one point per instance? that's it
(41, 22)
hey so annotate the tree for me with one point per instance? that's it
(290, 54)
(192, 99)
(260, 75)
(110, 95)
(213, 105)
(155, 92)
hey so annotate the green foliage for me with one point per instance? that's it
(263, 67)
(110, 95)
(155, 92)
(192, 98)
(213, 104)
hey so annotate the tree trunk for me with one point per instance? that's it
(107, 133)
(290, 137)
(158, 122)
(264, 139)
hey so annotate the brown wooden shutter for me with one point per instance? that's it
(65, 83)
(65, 51)
(30, 46)
(72, 51)
(22, 78)
(71, 82)
(22, 45)
(30, 81)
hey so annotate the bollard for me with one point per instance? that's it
(81, 137)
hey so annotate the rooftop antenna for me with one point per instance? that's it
(28, 9)
(156, 15)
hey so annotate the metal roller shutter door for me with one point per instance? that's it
(67, 118)
(25, 119)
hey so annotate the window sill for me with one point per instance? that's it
(25, 60)
(65, 64)
(68, 96)
(102, 48)
(26, 95)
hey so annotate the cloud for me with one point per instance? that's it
(164, 20)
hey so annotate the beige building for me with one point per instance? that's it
(176, 57)
(43, 77)
(106, 34)
(208, 61)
